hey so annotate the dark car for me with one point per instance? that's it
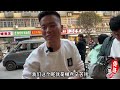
(17, 56)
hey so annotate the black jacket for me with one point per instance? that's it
(81, 45)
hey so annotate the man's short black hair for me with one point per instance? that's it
(45, 13)
(80, 35)
(101, 38)
(115, 23)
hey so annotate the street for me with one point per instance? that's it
(15, 74)
(4, 74)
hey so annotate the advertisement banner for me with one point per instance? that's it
(6, 33)
(36, 32)
(22, 33)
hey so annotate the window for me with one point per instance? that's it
(22, 47)
(69, 14)
(1, 24)
(22, 22)
(34, 22)
(34, 45)
(72, 21)
(6, 22)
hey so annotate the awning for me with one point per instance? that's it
(21, 37)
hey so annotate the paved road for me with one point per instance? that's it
(4, 74)
(16, 74)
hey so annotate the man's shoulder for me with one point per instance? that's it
(81, 43)
(108, 40)
(40, 48)
(66, 41)
(36, 52)
(42, 45)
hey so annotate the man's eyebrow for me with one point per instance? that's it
(51, 23)
(48, 23)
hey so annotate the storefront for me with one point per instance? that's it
(6, 37)
(20, 35)
(71, 34)
(36, 34)
(64, 34)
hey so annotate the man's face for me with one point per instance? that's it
(116, 34)
(79, 38)
(51, 28)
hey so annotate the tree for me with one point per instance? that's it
(87, 21)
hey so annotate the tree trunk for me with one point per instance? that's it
(88, 38)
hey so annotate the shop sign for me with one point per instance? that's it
(71, 31)
(36, 32)
(74, 31)
(6, 33)
(22, 33)
(64, 31)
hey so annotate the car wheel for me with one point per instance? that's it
(10, 66)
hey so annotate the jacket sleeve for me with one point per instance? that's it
(31, 67)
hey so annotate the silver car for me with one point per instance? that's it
(17, 56)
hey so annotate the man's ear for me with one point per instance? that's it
(61, 28)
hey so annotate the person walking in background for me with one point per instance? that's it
(92, 56)
(1, 54)
(8, 48)
(81, 46)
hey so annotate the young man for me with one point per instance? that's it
(55, 58)
(111, 46)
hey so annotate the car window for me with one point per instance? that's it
(34, 45)
(22, 47)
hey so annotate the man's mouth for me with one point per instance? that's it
(49, 36)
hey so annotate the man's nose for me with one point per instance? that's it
(48, 29)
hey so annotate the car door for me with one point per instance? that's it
(33, 46)
(21, 53)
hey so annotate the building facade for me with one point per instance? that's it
(20, 25)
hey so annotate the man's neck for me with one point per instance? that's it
(54, 46)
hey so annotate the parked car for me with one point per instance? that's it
(17, 56)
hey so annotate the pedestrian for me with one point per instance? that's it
(111, 46)
(81, 46)
(1, 54)
(8, 48)
(92, 56)
(55, 57)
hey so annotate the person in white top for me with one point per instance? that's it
(55, 58)
(111, 47)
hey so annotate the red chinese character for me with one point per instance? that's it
(8, 33)
(5, 33)
(2, 33)
(115, 66)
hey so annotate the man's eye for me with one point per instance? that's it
(43, 28)
(52, 25)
